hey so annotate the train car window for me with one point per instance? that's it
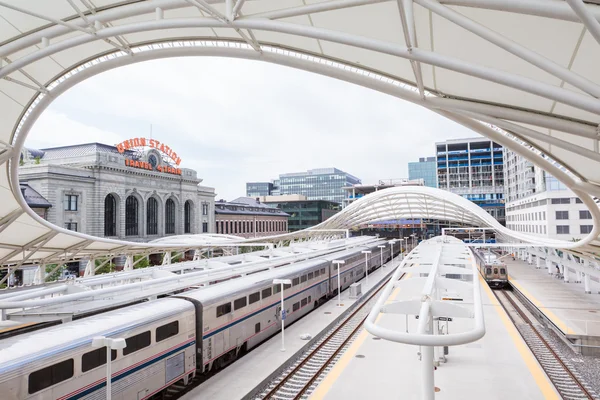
(309, 299)
(254, 297)
(239, 303)
(137, 342)
(322, 271)
(257, 328)
(495, 270)
(166, 331)
(296, 281)
(276, 289)
(502, 271)
(303, 302)
(223, 309)
(96, 358)
(351, 273)
(335, 267)
(488, 271)
(311, 275)
(296, 306)
(303, 278)
(266, 293)
(46, 377)
(316, 273)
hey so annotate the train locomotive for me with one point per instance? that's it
(171, 340)
(493, 270)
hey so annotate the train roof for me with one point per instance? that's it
(22, 349)
(216, 292)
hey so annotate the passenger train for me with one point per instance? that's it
(171, 340)
(493, 270)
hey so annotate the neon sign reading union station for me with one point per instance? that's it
(155, 159)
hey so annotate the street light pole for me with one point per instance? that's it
(282, 282)
(391, 242)
(366, 252)
(339, 262)
(381, 247)
(102, 341)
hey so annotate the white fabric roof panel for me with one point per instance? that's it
(545, 86)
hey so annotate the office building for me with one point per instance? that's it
(257, 189)
(424, 169)
(539, 204)
(355, 192)
(303, 213)
(134, 191)
(315, 184)
(249, 218)
(474, 169)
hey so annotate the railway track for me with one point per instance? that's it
(303, 376)
(560, 372)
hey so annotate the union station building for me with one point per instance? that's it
(135, 191)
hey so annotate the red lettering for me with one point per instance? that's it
(120, 148)
(178, 161)
(168, 150)
(136, 142)
(162, 148)
(131, 144)
(126, 145)
(143, 142)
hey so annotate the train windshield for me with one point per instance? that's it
(502, 271)
(488, 271)
(495, 270)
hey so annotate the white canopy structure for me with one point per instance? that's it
(521, 72)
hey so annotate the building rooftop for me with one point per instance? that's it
(248, 206)
(33, 198)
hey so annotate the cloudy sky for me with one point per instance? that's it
(236, 121)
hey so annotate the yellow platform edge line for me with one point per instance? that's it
(339, 367)
(539, 375)
(551, 316)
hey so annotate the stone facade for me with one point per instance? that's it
(91, 172)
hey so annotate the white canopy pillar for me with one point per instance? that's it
(90, 268)
(586, 284)
(40, 275)
(530, 259)
(549, 265)
(167, 258)
(128, 263)
(538, 263)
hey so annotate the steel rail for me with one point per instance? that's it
(545, 343)
(322, 344)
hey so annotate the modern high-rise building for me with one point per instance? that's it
(426, 169)
(474, 169)
(257, 189)
(302, 213)
(315, 184)
(538, 203)
(358, 191)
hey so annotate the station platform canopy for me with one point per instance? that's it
(521, 72)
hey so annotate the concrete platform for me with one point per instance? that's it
(239, 378)
(498, 366)
(574, 312)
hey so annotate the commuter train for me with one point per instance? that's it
(492, 269)
(171, 340)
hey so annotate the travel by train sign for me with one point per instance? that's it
(155, 156)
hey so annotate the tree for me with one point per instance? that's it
(56, 274)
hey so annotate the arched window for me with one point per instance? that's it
(110, 216)
(187, 217)
(169, 216)
(131, 216)
(152, 217)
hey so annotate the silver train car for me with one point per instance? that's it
(171, 340)
(60, 363)
(493, 270)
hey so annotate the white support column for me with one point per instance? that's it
(90, 268)
(40, 275)
(566, 273)
(128, 263)
(586, 283)
(530, 259)
(549, 265)
(167, 258)
(538, 263)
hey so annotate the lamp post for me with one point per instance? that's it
(406, 241)
(102, 341)
(366, 253)
(339, 262)
(391, 242)
(282, 282)
(381, 247)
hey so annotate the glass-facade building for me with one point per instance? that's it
(424, 169)
(317, 184)
(306, 213)
(474, 169)
(257, 189)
